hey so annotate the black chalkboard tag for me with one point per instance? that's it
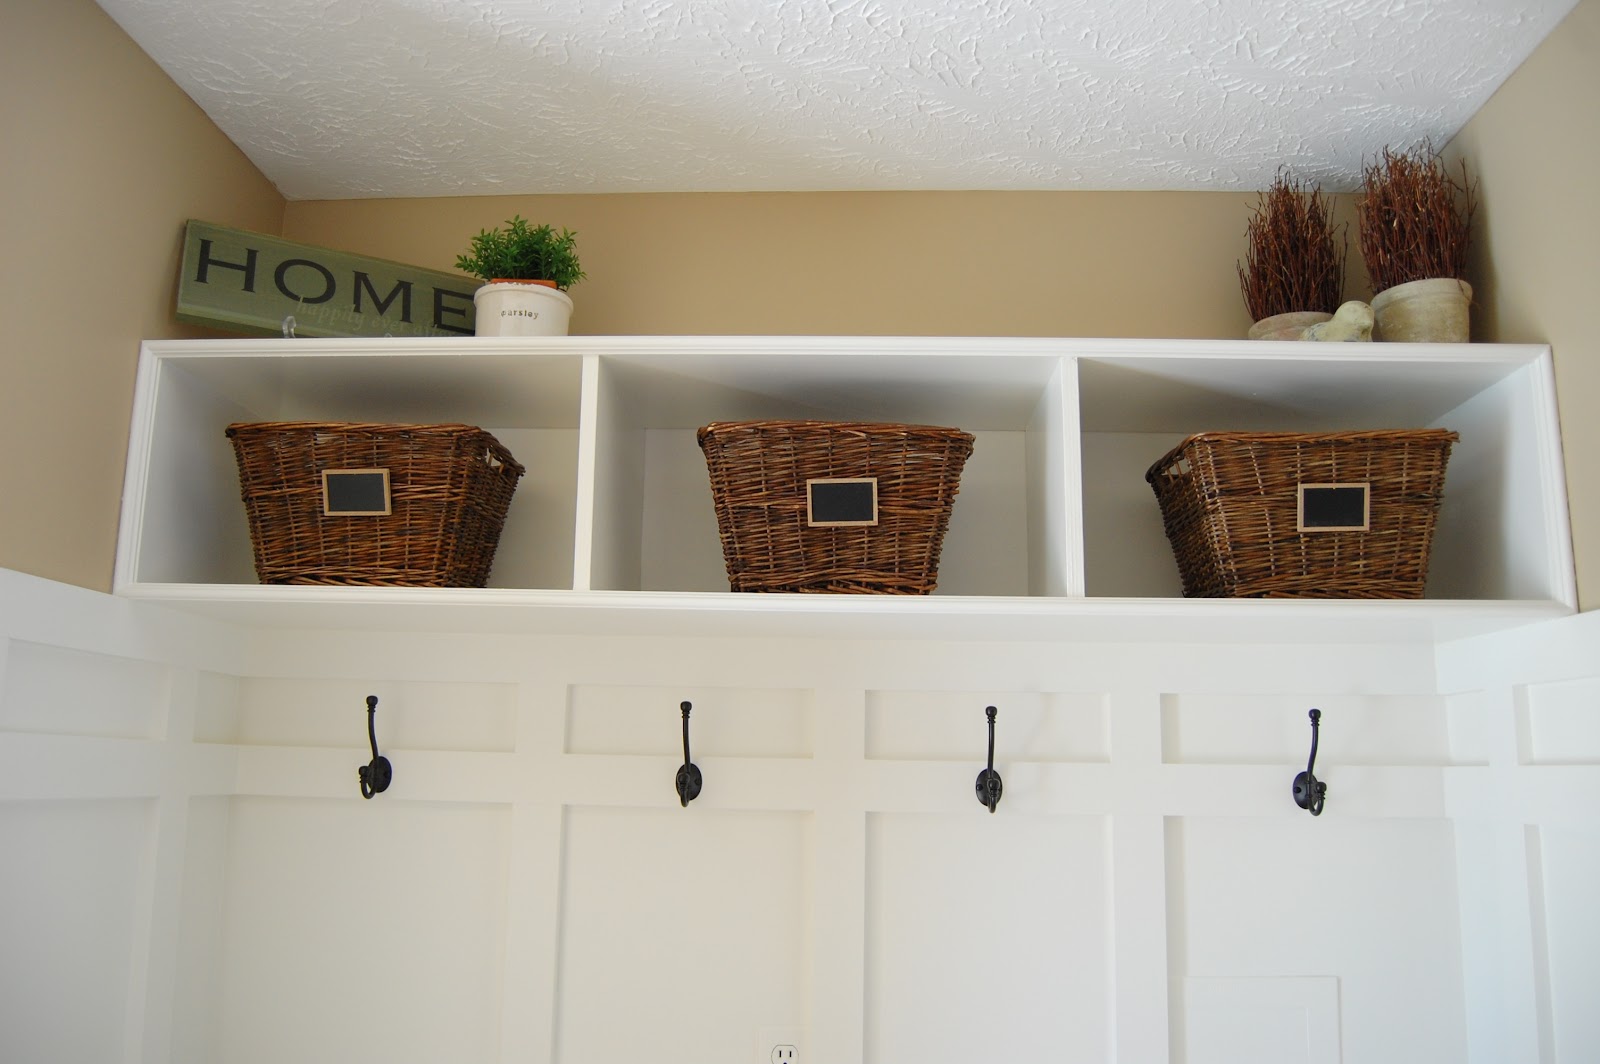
(355, 492)
(832, 502)
(1334, 508)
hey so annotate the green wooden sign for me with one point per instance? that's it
(247, 282)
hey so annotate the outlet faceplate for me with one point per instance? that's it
(780, 1045)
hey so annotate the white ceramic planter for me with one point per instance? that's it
(1432, 311)
(516, 308)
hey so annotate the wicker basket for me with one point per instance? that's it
(1230, 501)
(759, 471)
(449, 489)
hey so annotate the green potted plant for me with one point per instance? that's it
(528, 269)
(1415, 225)
(1293, 273)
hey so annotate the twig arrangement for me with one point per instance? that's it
(1414, 218)
(1293, 261)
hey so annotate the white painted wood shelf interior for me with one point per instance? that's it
(1054, 532)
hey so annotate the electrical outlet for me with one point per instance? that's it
(780, 1045)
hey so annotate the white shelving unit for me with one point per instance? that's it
(1054, 534)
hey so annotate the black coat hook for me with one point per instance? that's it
(1310, 792)
(989, 786)
(689, 780)
(377, 773)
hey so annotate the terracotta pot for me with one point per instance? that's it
(1287, 326)
(1431, 311)
(521, 308)
(522, 280)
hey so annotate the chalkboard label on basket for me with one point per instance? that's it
(355, 492)
(841, 501)
(1334, 508)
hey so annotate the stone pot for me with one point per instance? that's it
(1287, 326)
(522, 308)
(1431, 311)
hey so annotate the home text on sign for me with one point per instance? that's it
(248, 282)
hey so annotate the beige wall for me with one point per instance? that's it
(1535, 148)
(104, 160)
(897, 263)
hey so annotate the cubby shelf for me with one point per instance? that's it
(1054, 534)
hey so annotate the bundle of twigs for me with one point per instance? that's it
(1293, 261)
(1414, 218)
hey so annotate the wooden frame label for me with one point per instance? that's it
(356, 493)
(834, 502)
(1334, 508)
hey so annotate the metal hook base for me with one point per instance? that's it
(688, 784)
(1310, 793)
(989, 788)
(375, 777)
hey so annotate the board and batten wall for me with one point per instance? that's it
(193, 878)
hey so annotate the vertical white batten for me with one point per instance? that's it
(617, 485)
(839, 882)
(135, 478)
(584, 519)
(1137, 841)
(1055, 488)
(1562, 579)
(528, 992)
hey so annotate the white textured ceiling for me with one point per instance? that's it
(361, 98)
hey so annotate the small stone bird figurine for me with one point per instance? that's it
(1352, 322)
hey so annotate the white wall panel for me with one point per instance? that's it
(723, 721)
(362, 930)
(1499, 941)
(985, 550)
(1559, 723)
(1369, 902)
(411, 715)
(217, 701)
(952, 726)
(70, 927)
(683, 932)
(1570, 873)
(988, 938)
(197, 990)
(1254, 729)
(1282, 1020)
(1471, 729)
(1122, 529)
(60, 691)
(536, 543)
(682, 553)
